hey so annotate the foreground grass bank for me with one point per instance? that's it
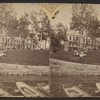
(93, 57)
(28, 57)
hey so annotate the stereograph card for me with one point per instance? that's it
(49, 50)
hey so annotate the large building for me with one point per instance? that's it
(7, 42)
(75, 41)
(12, 42)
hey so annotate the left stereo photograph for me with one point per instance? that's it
(24, 51)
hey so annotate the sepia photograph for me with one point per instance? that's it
(75, 51)
(24, 50)
(49, 50)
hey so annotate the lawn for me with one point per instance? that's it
(28, 57)
(93, 57)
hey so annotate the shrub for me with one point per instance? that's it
(55, 49)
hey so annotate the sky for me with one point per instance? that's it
(21, 8)
(64, 15)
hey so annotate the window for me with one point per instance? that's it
(2, 39)
(83, 39)
(95, 41)
(73, 38)
(89, 40)
(70, 38)
(8, 39)
(76, 38)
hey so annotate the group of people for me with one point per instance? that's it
(79, 53)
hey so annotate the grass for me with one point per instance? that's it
(28, 57)
(93, 57)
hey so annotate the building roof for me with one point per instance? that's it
(73, 32)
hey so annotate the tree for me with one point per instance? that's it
(54, 37)
(45, 23)
(62, 31)
(94, 28)
(35, 28)
(6, 12)
(23, 26)
(41, 24)
(84, 19)
(58, 33)
(13, 27)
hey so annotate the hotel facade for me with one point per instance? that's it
(75, 41)
(7, 42)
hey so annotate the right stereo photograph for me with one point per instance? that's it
(75, 51)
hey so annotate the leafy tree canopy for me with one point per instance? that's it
(84, 19)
